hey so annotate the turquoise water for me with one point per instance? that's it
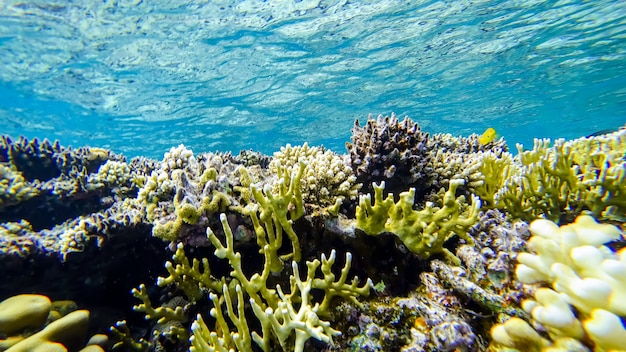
(139, 77)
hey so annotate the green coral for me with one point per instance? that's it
(371, 218)
(422, 231)
(563, 178)
(193, 278)
(277, 210)
(161, 314)
(290, 318)
(287, 318)
(494, 170)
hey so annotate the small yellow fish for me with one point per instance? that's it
(488, 136)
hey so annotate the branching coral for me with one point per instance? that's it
(288, 318)
(565, 178)
(424, 231)
(495, 170)
(285, 316)
(277, 211)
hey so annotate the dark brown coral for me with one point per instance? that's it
(397, 152)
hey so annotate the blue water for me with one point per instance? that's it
(141, 76)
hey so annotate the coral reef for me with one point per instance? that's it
(386, 149)
(287, 318)
(401, 155)
(327, 179)
(265, 251)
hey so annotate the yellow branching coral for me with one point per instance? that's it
(189, 277)
(422, 231)
(277, 210)
(494, 169)
(222, 339)
(162, 314)
(568, 177)
(371, 218)
(287, 319)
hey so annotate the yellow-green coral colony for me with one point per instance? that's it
(31, 322)
(265, 249)
(423, 232)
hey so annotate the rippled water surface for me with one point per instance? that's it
(139, 77)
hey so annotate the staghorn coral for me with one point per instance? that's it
(276, 212)
(275, 309)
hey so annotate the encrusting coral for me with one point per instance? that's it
(181, 194)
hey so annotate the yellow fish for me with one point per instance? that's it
(488, 136)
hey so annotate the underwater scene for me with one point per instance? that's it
(312, 176)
